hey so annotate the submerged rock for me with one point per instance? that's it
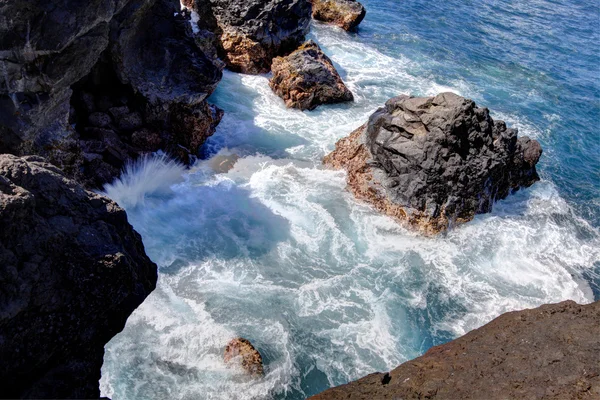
(346, 14)
(223, 163)
(550, 352)
(251, 33)
(435, 162)
(240, 350)
(307, 78)
(72, 270)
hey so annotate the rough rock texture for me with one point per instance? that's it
(306, 78)
(251, 33)
(550, 352)
(346, 14)
(435, 162)
(156, 54)
(42, 53)
(149, 89)
(72, 270)
(241, 350)
(137, 54)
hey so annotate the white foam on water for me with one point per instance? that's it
(278, 251)
(333, 289)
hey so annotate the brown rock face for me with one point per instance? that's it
(550, 352)
(241, 350)
(435, 162)
(307, 78)
(346, 14)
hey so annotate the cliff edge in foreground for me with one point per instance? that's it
(550, 352)
(435, 162)
(72, 270)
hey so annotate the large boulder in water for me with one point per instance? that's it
(72, 270)
(550, 352)
(241, 351)
(435, 162)
(252, 33)
(307, 78)
(346, 14)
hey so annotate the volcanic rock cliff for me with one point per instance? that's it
(72, 270)
(435, 162)
(90, 84)
(550, 352)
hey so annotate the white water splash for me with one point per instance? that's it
(149, 174)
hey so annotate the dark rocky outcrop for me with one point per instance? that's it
(45, 47)
(346, 14)
(72, 270)
(550, 352)
(148, 92)
(307, 78)
(241, 351)
(138, 58)
(435, 162)
(251, 33)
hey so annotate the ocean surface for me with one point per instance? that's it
(277, 251)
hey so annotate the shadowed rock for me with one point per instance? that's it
(72, 270)
(435, 162)
(346, 14)
(45, 47)
(550, 352)
(241, 351)
(306, 78)
(120, 66)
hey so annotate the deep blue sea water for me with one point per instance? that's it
(277, 251)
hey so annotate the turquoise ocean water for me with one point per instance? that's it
(276, 250)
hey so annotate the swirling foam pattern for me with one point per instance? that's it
(275, 250)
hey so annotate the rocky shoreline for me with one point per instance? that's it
(110, 83)
(116, 82)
